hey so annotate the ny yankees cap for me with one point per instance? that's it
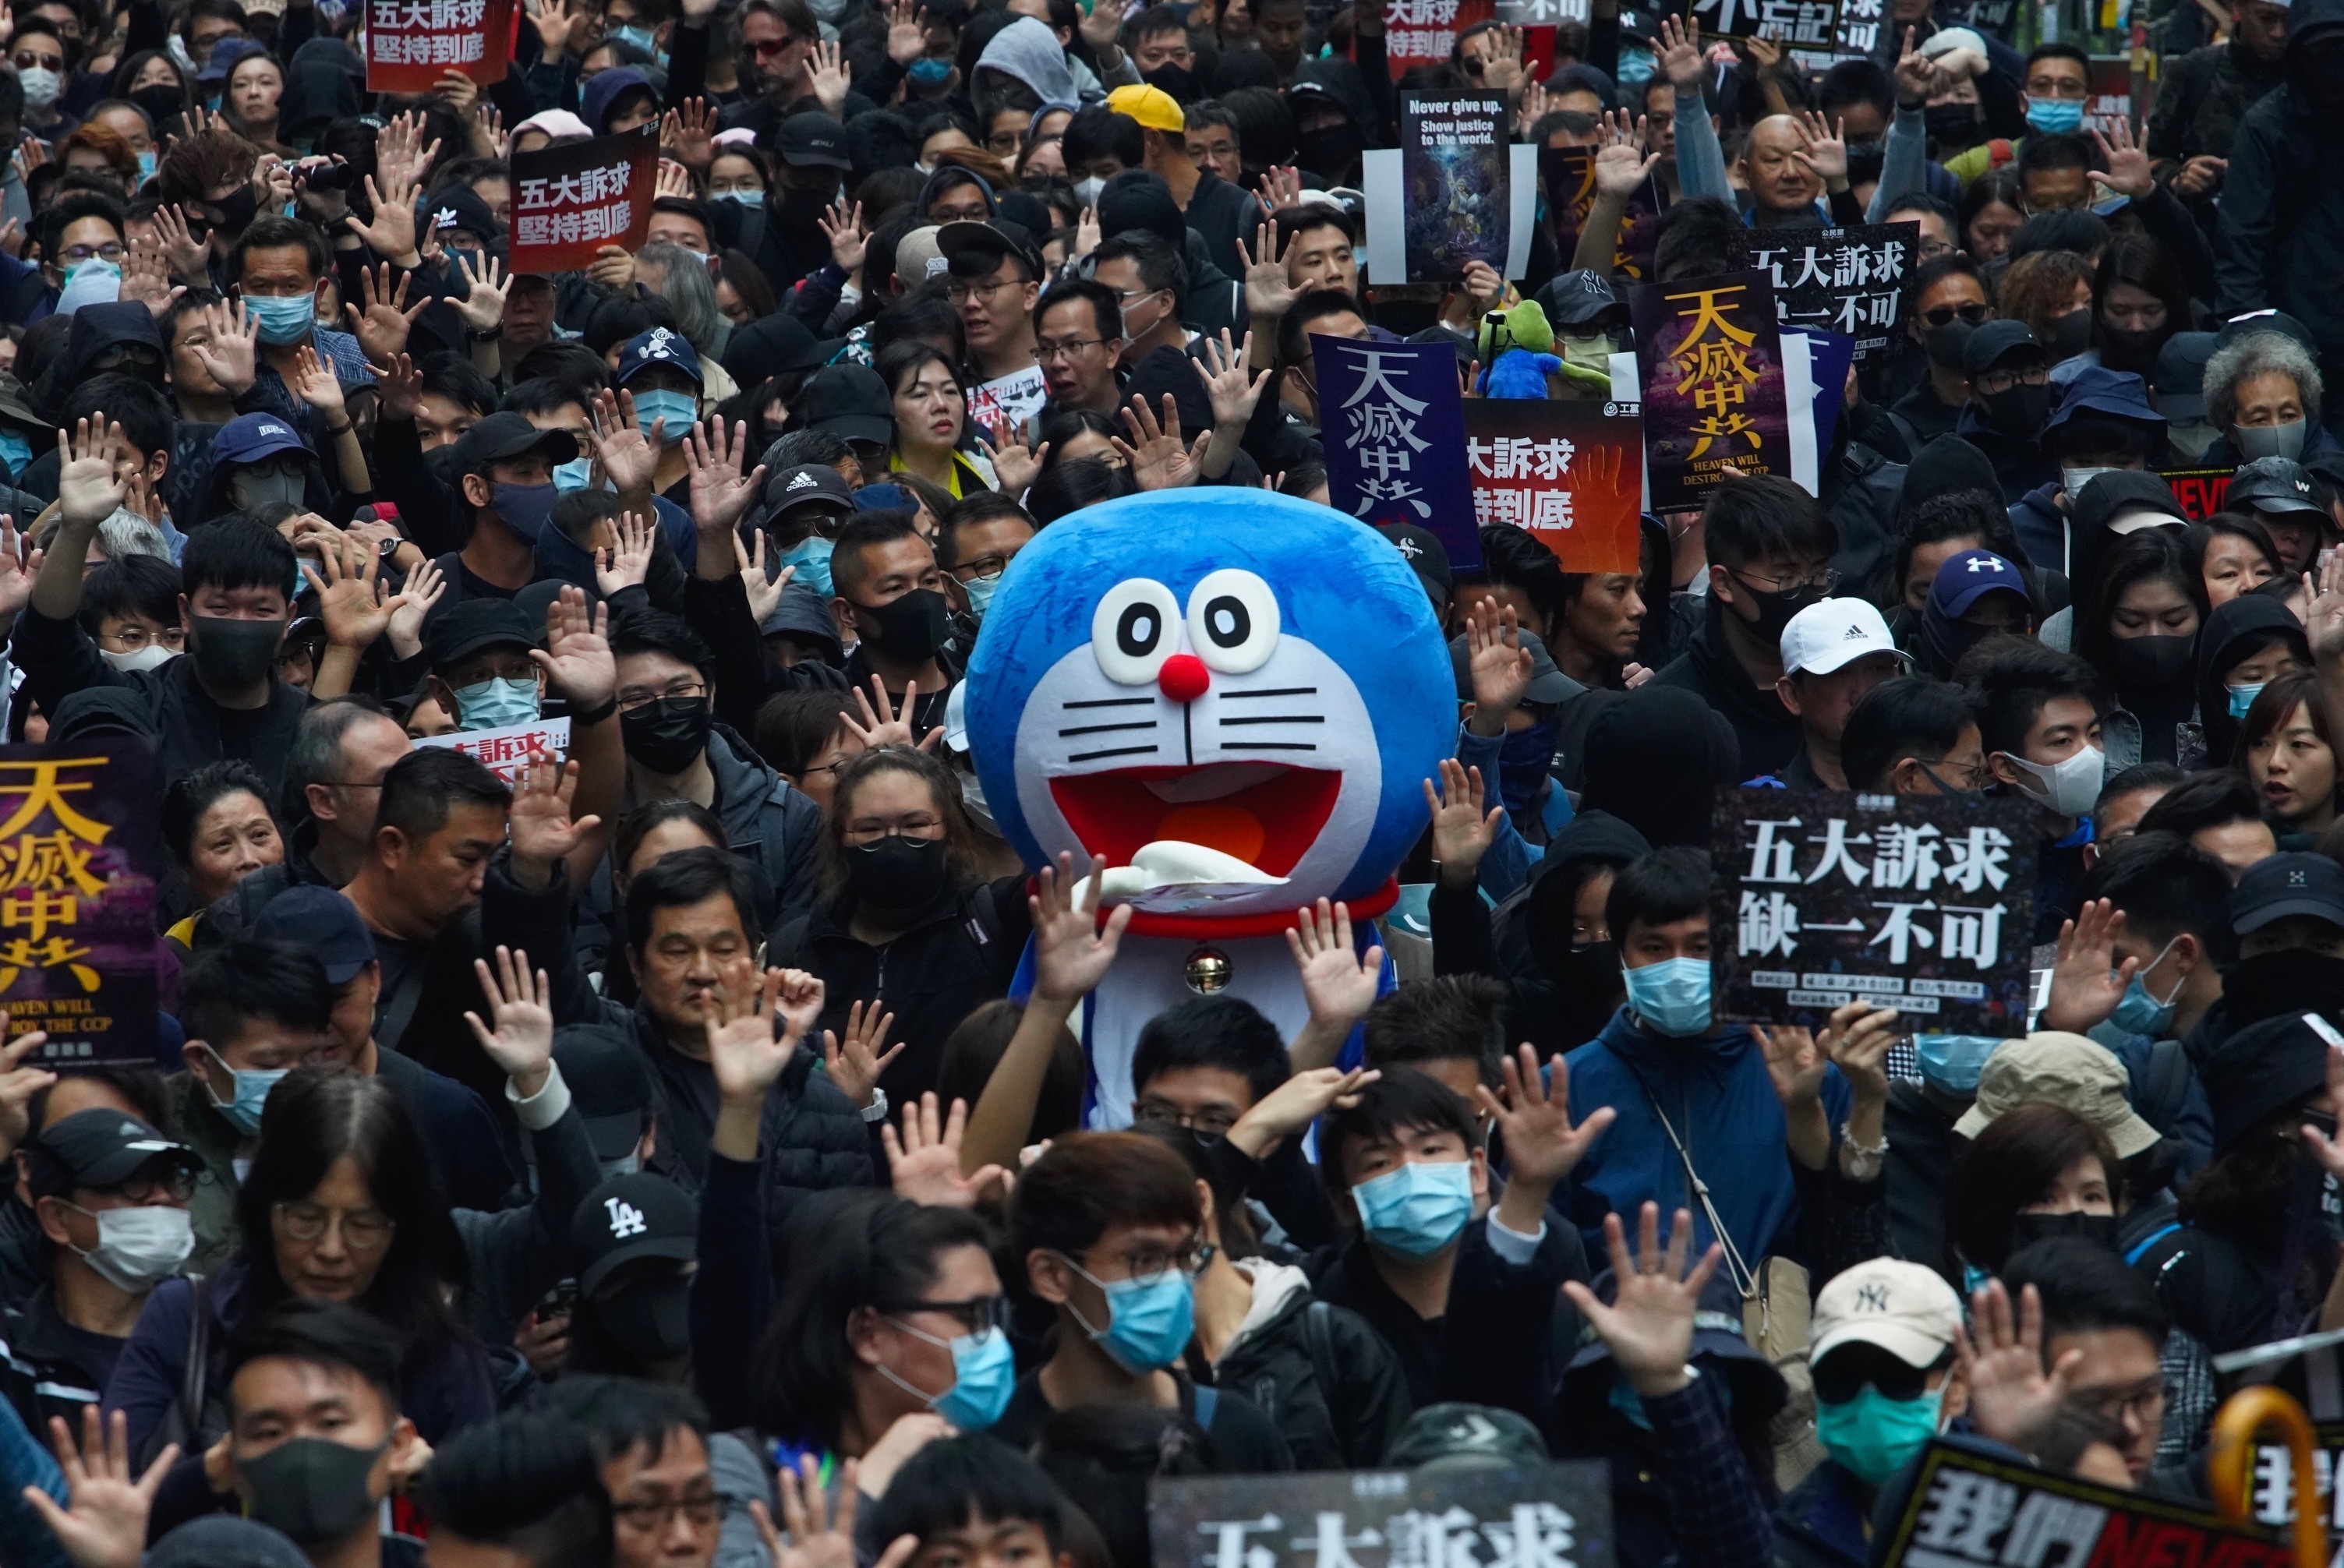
(1831, 633)
(2293, 883)
(1906, 1308)
(1969, 576)
(2063, 1070)
(631, 1217)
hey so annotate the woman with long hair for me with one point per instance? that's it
(2139, 301)
(2138, 627)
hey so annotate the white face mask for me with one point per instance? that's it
(2072, 787)
(139, 1247)
(2073, 480)
(152, 657)
(41, 87)
(1086, 191)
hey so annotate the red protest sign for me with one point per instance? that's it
(1569, 473)
(568, 202)
(412, 44)
(2198, 491)
(1425, 31)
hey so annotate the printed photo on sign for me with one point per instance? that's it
(410, 45)
(1711, 360)
(568, 202)
(1490, 1517)
(1568, 474)
(1008, 401)
(1917, 903)
(1454, 166)
(1395, 437)
(1849, 281)
(507, 750)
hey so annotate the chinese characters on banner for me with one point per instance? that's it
(1794, 23)
(412, 44)
(2272, 1482)
(1008, 401)
(568, 202)
(1568, 175)
(1569, 474)
(1424, 32)
(1967, 1509)
(1711, 361)
(2107, 96)
(1394, 432)
(1919, 903)
(2198, 491)
(78, 857)
(1525, 1516)
(1847, 280)
(1454, 164)
(505, 751)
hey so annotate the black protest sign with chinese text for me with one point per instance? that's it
(1394, 434)
(412, 44)
(1846, 280)
(2271, 1495)
(1923, 904)
(1455, 162)
(78, 861)
(1569, 473)
(1711, 360)
(1519, 1517)
(1794, 23)
(568, 202)
(1969, 1511)
(2107, 96)
(1568, 175)
(2200, 492)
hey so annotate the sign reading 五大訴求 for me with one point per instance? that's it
(507, 750)
(568, 202)
(1528, 1515)
(1923, 904)
(410, 45)
(78, 862)
(1846, 280)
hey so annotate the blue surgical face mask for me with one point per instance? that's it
(2137, 1011)
(1672, 995)
(1523, 758)
(1635, 65)
(524, 509)
(1873, 1435)
(1419, 1208)
(251, 1093)
(984, 1374)
(811, 556)
(639, 36)
(1953, 1061)
(2054, 116)
(494, 704)
(928, 72)
(980, 591)
(575, 474)
(96, 267)
(1148, 1321)
(679, 409)
(17, 450)
(745, 198)
(283, 321)
(2243, 698)
(146, 163)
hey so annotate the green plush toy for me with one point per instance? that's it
(1523, 327)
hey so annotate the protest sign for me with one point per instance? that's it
(1846, 280)
(2198, 491)
(1994, 17)
(1394, 434)
(1568, 175)
(1007, 401)
(1919, 903)
(568, 202)
(506, 751)
(1568, 473)
(1711, 361)
(1547, 14)
(79, 858)
(2107, 96)
(412, 44)
(1969, 1511)
(1424, 32)
(1454, 173)
(1794, 23)
(1502, 1516)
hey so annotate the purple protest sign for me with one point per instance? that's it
(1710, 359)
(1393, 429)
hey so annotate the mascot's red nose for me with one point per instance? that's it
(1183, 677)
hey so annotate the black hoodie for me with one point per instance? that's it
(2281, 240)
(2235, 631)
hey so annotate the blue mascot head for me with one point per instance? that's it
(1235, 695)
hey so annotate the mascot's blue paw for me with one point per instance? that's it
(1518, 373)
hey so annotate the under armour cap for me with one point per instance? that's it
(1827, 635)
(1906, 1308)
(1969, 576)
(631, 1217)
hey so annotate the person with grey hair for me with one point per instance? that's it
(681, 278)
(2262, 393)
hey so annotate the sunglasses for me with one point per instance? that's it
(1940, 314)
(1841, 1375)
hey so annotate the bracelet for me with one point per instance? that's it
(490, 335)
(1863, 1162)
(337, 432)
(580, 720)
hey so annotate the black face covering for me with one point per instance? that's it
(1945, 344)
(236, 209)
(2121, 349)
(1776, 608)
(651, 1320)
(2019, 412)
(1176, 80)
(666, 735)
(800, 211)
(1331, 152)
(912, 627)
(2154, 663)
(1951, 126)
(163, 105)
(230, 653)
(897, 876)
(2070, 335)
(2101, 1229)
(2295, 980)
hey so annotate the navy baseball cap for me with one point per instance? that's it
(1970, 576)
(253, 438)
(2181, 376)
(2289, 883)
(2265, 320)
(2097, 390)
(225, 55)
(1994, 341)
(324, 922)
(659, 346)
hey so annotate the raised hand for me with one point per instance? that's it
(188, 255)
(720, 493)
(1339, 983)
(93, 470)
(521, 1043)
(1157, 460)
(413, 602)
(855, 1067)
(315, 383)
(691, 132)
(554, 21)
(1856, 1039)
(1015, 463)
(843, 226)
(18, 1084)
(2129, 173)
(576, 656)
(146, 278)
(2012, 1399)
(17, 571)
(831, 78)
(923, 1165)
(627, 562)
(346, 602)
(1280, 185)
(490, 139)
(1501, 71)
(1764, 54)
(1679, 55)
(540, 826)
(1649, 1324)
(1542, 1143)
(1823, 149)
(1463, 831)
(392, 234)
(885, 725)
(1296, 1103)
(483, 305)
(2087, 983)
(907, 35)
(382, 328)
(1794, 1062)
(815, 1541)
(1267, 291)
(1072, 950)
(1917, 79)
(1496, 664)
(1622, 167)
(745, 1052)
(107, 1525)
(1531, 111)
(628, 458)
(673, 179)
(1234, 392)
(764, 592)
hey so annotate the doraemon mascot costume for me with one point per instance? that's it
(1234, 698)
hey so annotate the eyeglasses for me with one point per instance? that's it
(2144, 1403)
(132, 639)
(363, 1230)
(1145, 1268)
(1963, 776)
(975, 1315)
(1212, 1123)
(1991, 382)
(110, 251)
(173, 1181)
(1066, 348)
(28, 60)
(1841, 1375)
(1821, 582)
(959, 293)
(1940, 314)
(980, 569)
(700, 1509)
(675, 691)
(765, 47)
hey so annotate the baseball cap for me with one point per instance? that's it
(225, 54)
(470, 625)
(1478, 1433)
(2272, 484)
(1547, 683)
(2292, 882)
(1427, 556)
(97, 1148)
(808, 484)
(250, 437)
(324, 922)
(501, 436)
(631, 1217)
(223, 1541)
(611, 1084)
(555, 123)
(2254, 321)
(972, 249)
(812, 139)
(1579, 299)
(2179, 379)
(2063, 1070)
(1994, 341)
(2262, 1067)
(1906, 1308)
(1969, 576)
(917, 258)
(1152, 108)
(2097, 390)
(659, 346)
(1829, 634)
(852, 403)
(803, 614)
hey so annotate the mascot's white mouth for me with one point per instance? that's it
(1264, 814)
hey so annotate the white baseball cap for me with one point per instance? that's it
(1906, 1308)
(1828, 634)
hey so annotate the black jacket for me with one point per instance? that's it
(2280, 241)
(48, 1368)
(1329, 1382)
(1920, 1156)
(1864, 492)
(1768, 732)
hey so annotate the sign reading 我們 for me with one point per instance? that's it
(568, 202)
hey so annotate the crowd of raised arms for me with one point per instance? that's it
(678, 1148)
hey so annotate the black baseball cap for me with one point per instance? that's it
(808, 484)
(2272, 484)
(502, 437)
(810, 140)
(632, 1217)
(98, 1149)
(972, 249)
(1993, 342)
(1427, 556)
(324, 922)
(2289, 883)
(1581, 296)
(1478, 1433)
(610, 1083)
(474, 623)
(2265, 320)
(2179, 380)
(850, 402)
